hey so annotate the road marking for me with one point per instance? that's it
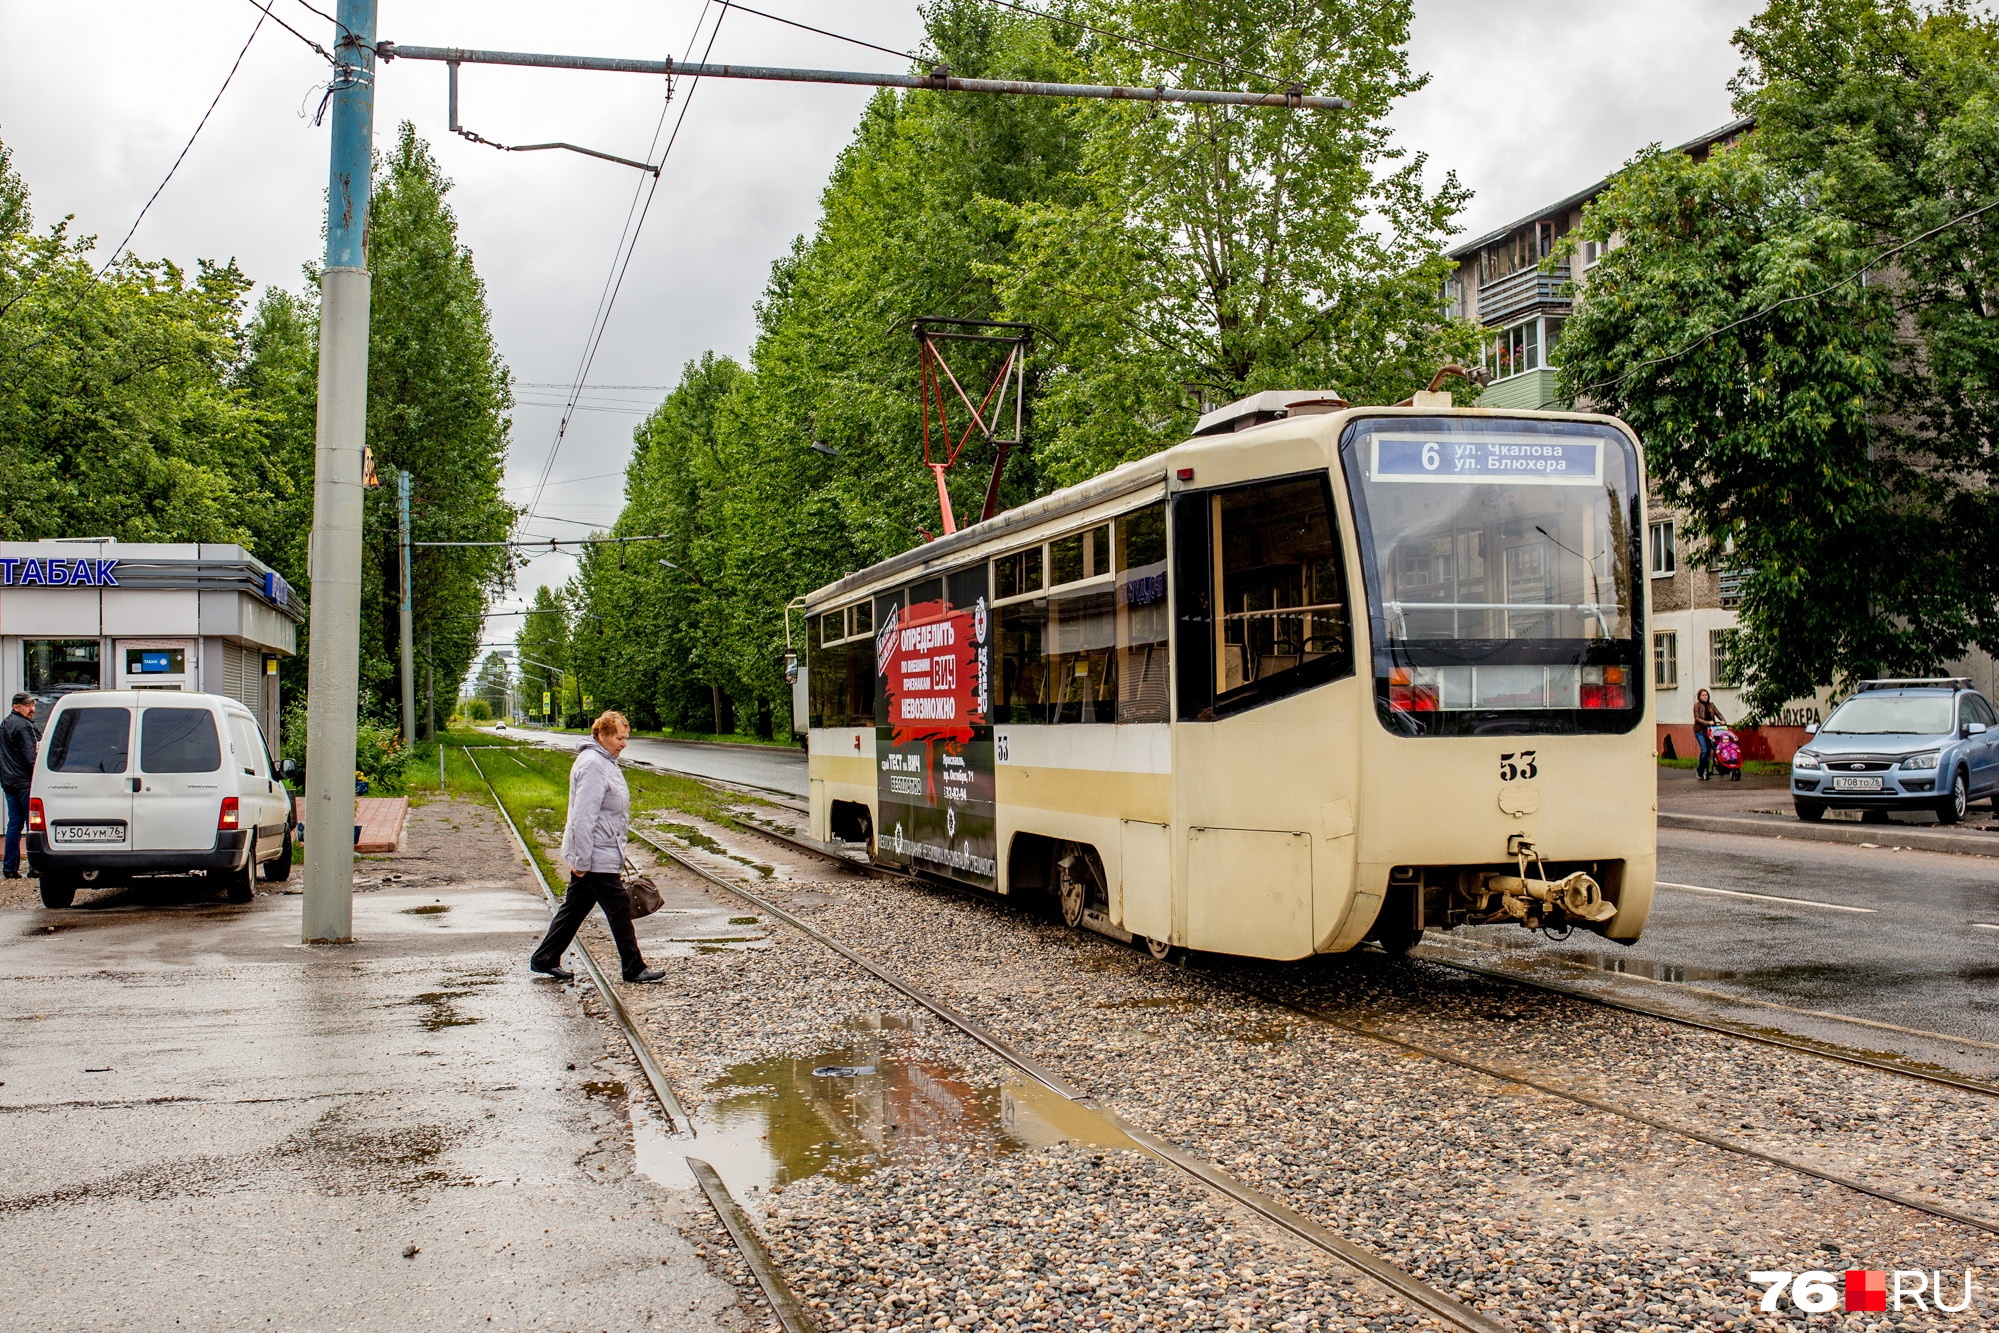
(1770, 898)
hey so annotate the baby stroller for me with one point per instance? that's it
(1727, 753)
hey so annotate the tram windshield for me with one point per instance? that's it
(1501, 561)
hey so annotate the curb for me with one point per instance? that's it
(1879, 835)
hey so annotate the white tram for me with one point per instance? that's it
(1318, 675)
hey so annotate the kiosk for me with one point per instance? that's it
(92, 614)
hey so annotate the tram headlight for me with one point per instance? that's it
(1805, 759)
(1927, 760)
(1413, 689)
(1606, 687)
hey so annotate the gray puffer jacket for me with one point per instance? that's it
(600, 810)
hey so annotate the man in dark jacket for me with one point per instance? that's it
(17, 772)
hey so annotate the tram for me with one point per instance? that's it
(1319, 675)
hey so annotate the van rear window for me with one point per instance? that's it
(179, 740)
(91, 740)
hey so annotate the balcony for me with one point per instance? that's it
(1729, 581)
(1523, 293)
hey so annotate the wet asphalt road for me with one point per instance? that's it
(772, 767)
(1924, 952)
(209, 1125)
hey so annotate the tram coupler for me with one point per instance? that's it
(1576, 896)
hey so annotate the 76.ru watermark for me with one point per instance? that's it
(1864, 1289)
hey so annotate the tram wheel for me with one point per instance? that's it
(1160, 949)
(1072, 890)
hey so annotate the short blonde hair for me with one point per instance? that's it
(609, 723)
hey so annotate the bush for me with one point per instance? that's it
(478, 710)
(379, 753)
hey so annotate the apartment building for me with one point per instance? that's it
(1501, 282)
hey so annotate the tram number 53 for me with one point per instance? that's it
(1521, 765)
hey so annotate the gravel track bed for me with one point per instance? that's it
(970, 1230)
(1525, 1205)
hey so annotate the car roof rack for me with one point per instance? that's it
(1954, 682)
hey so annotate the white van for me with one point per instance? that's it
(151, 782)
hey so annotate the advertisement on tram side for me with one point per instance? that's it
(933, 659)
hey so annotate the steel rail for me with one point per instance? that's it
(784, 1305)
(1725, 1029)
(940, 82)
(1363, 1261)
(655, 1077)
(1505, 1075)
(1719, 1142)
(1794, 1044)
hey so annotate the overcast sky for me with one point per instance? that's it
(1528, 102)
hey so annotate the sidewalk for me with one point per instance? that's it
(1761, 805)
(211, 1125)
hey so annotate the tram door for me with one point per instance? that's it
(934, 735)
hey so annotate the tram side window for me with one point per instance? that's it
(1284, 622)
(1080, 649)
(1020, 687)
(841, 676)
(1143, 653)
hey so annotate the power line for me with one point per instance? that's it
(1774, 306)
(628, 241)
(794, 23)
(263, 12)
(324, 54)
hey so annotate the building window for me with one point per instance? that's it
(1660, 549)
(60, 666)
(1722, 669)
(1593, 253)
(1515, 351)
(1666, 660)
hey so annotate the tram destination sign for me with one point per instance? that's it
(1545, 460)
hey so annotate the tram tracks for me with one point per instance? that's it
(1364, 1261)
(1507, 1074)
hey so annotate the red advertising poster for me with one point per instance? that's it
(935, 740)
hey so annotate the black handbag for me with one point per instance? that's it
(642, 891)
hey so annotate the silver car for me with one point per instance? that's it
(1929, 744)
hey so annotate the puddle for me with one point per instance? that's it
(1645, 967)
(443, 1010)
(610, 1090)
(744, 921)
(840, 1113)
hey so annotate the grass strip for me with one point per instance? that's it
(532, 782)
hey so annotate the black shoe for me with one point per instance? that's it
(647, 976)
(559, 972)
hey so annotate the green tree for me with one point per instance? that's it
(1834, 436)
(1219, 251)
(543, 643)
(490, 686)
(438, 403)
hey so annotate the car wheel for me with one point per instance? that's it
(1951, 809)
(58, 889)
(279, 868)
(240, 886)
(1809, 811)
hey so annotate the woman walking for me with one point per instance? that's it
(593, 846)
(1705, 715)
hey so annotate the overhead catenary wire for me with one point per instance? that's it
(628, 241)
(838, 37)
(324, 54)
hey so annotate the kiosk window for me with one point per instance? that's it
(61, 665)
(178, 740)
(91, 740)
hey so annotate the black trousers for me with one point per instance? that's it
(599, 888)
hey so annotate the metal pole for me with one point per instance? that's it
(430, 683)
(409, 630)
(334, 677)
(940, 82)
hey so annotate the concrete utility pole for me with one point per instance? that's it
(334, 679)
(409, 630)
